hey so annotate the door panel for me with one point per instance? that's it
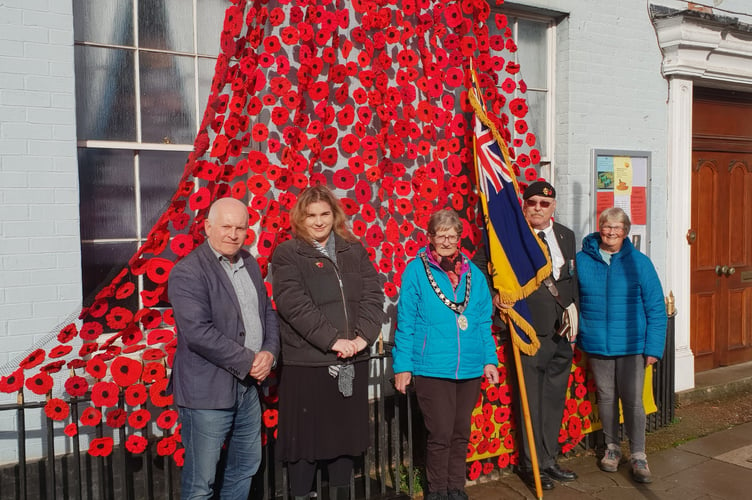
(721, 259)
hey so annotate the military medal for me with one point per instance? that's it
(462, 321)
(457, 307)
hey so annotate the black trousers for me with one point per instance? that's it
(546, 379)
(302, 473)
(447, 407)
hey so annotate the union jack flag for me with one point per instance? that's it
(518, 261)
(489, 157)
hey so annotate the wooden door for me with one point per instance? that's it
(721, 259)
(721, 255)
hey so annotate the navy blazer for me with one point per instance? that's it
(546, 312)
(211, 358)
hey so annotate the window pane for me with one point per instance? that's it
(166, 24)
(168, 103)
(532, 53)
(210, 18)
(536, 118)
(107, 192)
(100, 262)
(205, 76)
(159, 174)
(103, 21)
(105, 94)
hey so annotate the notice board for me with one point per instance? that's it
(622, 179)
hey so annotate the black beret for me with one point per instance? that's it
(540, 188)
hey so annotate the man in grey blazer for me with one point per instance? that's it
(228, 342)
(547, 372)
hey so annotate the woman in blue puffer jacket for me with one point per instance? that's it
(622, 329)
(443, 344)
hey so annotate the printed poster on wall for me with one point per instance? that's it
(621, 180)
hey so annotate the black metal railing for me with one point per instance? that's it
(385, 471)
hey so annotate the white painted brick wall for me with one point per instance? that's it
(40, 271)
(610, 95)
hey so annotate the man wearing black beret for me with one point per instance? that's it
(547, 372)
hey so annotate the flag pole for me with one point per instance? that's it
(475, 96)
(525, 410)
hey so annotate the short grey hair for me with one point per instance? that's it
(444, 219)
(615, 214)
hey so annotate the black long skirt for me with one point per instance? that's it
(316, 422)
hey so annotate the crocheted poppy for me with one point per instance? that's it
(71, 429)
(139, 418)
(33, 359)
(56, 409)
(136, 395)
(153, 354)
(502, 414)
(158, 395)
(270, 418)
(96, 367)
(100, 447)
(574, 427)
(482, 448)
(60, 351)
(41, 383)
(494, 445)
(13, 382)
(166, 446)
(159, 269)
(90, 330)
(76, 386)
(200, 199)
(98, 308)
(133, 348)
(159, 336)
(136, 444)
(116, 418)
(179, 457)
(125, 371)
(104, 394)
(53, 367)
(149, 318)
(474, 471)
(75, 364)
(167, 419)
(152, 372)
(129, 335)
(90, 416)
(125, 290)
(585, 408)
(67, 333)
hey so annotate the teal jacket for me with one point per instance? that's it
(429, 340)
(622, 311)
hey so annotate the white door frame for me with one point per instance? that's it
(711, 51)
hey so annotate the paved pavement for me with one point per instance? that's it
(715, 467)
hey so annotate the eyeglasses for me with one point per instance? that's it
(543, 203)
(612, 228)
(451, 238)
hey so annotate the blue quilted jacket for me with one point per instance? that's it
(428, 339)
(622, 311)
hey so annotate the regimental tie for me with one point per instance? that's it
(542, 236)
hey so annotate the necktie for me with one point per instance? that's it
(542, 236)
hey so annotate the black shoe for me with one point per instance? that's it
(436, 495)
(457, 495)
(563, 475)
(528, 478)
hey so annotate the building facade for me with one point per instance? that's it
(667, 80)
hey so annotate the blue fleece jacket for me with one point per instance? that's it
(428, 339)
(622, 310)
